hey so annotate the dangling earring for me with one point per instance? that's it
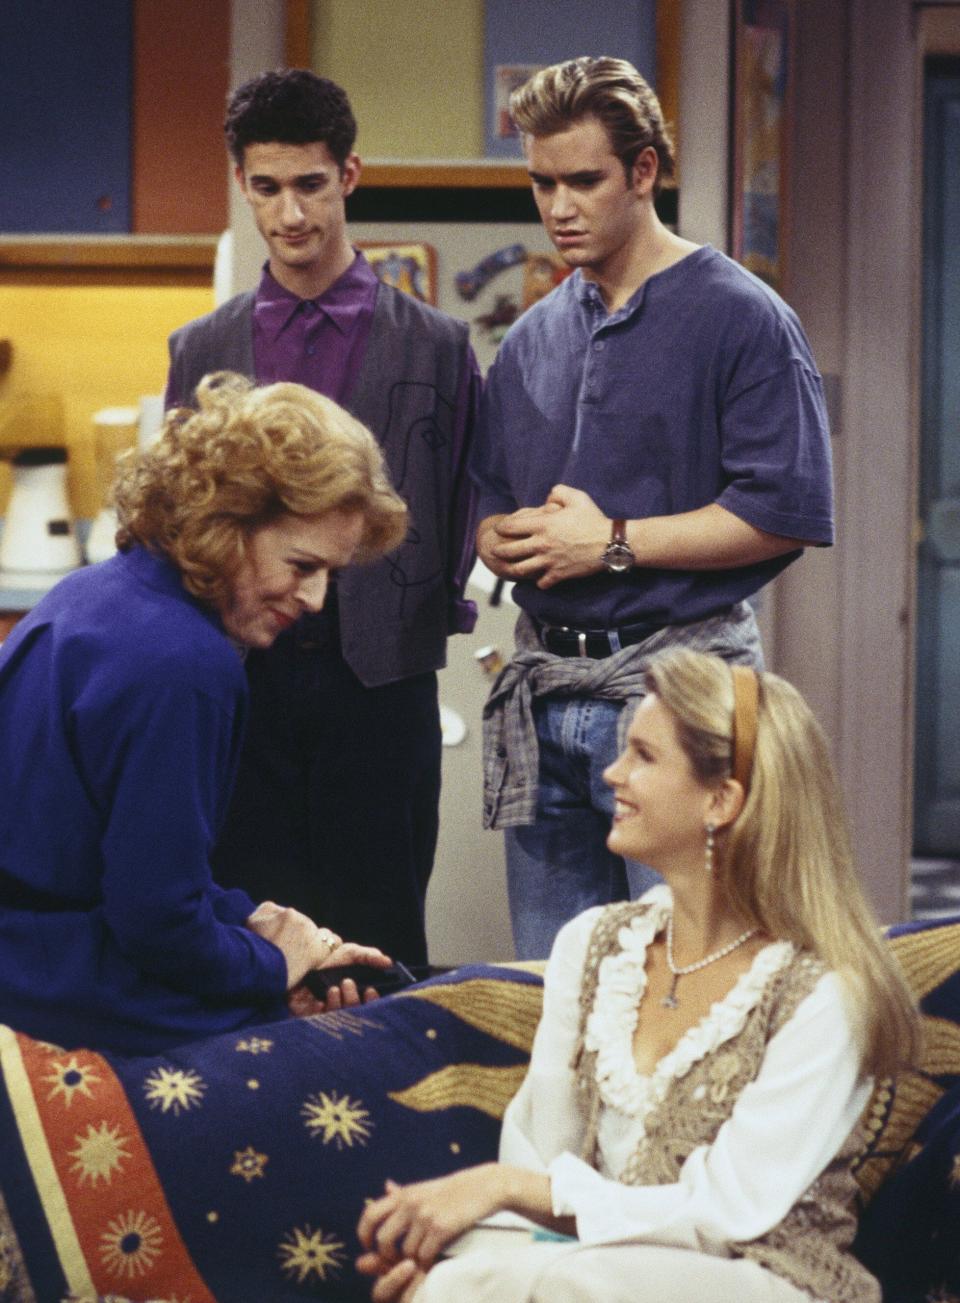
(708, 855)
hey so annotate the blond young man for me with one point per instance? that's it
(653, 448)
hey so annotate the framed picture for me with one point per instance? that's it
(763, 45)
(508, 77)
(408, 267)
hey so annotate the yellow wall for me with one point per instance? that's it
(413, 70)
(93, 346)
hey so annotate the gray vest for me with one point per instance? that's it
(394, 612)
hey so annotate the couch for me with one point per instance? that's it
(234, 1170)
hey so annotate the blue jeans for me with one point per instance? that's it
(560, 865)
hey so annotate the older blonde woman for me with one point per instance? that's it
(122, 707)
(691, 1107)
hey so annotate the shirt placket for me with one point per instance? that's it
(592, 376)
(311, 323)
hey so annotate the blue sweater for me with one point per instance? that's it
(122, 707)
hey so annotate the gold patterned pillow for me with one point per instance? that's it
(929, 954)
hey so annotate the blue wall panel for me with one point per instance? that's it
(65, 95)
(549, 31)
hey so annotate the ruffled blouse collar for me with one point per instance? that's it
(621, 985)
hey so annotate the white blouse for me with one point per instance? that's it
(784, 1129)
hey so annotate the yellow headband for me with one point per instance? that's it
(746, 703)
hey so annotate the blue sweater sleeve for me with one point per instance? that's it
(162, 781)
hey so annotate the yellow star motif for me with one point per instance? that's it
(99, 1153)
(255, 1045)
(307, 1252)
(174, 1088)
(338, 1119)
(69, 1078)
(131, 1244)
(248, 1163)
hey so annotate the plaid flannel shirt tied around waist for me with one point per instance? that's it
(511, 753)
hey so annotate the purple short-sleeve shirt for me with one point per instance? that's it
(701, 389)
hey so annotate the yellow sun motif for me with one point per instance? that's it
(248, 1163)
(99, 1153)
(339, 1119)
(69, 1078)
(174, 1088)
(131, 1244)
(255, 1045)
(305, 1252)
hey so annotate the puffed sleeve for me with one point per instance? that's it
(543, 1120)
(785, 1128)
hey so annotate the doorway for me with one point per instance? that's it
(936, 828)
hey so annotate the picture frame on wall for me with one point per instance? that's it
(411, 267)
(762, 112)
(508, 77)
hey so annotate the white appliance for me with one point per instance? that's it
(39, 542)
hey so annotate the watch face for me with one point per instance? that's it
(618, 557)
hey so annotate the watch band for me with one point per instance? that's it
(618, 555)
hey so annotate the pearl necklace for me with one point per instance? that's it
(670, 1000)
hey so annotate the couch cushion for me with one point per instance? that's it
(929, 954)
(909, 1236)
(236, 1168)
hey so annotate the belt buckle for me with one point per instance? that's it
(581, 636)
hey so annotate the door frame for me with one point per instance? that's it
(881, 444)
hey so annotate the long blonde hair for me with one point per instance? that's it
(786, 860)
(245, 457)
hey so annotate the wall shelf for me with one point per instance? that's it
(471, 174)
(170, 253)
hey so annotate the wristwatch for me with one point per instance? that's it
(618, 554)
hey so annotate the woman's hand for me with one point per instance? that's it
(305, 946)
(302, 1002)
(398, 1283)
(418, 1221)
(352, 952)
(302, 944)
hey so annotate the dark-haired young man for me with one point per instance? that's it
(653, 449)
(335, 808)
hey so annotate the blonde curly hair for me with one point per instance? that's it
(244, 457)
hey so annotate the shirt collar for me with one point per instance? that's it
(341, 303)
(588, 292)
(156, 570)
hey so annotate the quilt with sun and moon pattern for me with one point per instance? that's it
(234, 1170)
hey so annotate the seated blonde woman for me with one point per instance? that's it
(690, 1112)
(122, 709)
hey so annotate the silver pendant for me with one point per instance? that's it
(670, 1001)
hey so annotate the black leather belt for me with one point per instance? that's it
(562, 640)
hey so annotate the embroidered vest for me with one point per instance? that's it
(810, 1246)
